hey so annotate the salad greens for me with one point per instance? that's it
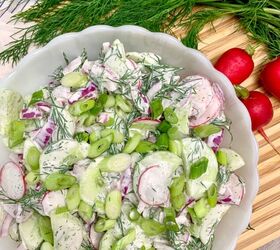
(118, 153)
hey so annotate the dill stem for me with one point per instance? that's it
(272, 11)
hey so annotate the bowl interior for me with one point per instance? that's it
(34, 71)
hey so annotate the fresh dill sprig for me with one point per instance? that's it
(50, 18)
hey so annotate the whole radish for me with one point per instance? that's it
(236, 64)
(270, 77)
(261, 112)
(259, 108)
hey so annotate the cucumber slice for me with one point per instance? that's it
(100, 146)
(194, 149)
(234, 160)
(211, 220)
(115, 163)
(74, 80)
(62, 153)
(30, 233)
(132, 143)
(90, 185)
(68, 231)
(165, 162)
(113, 204)
(46, 246)
(125, 241)
(107, 240)
(73, 197)
(45, 228)
(85, 211)
(58, 181)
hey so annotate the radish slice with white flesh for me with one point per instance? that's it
(201, 96)
(213, 110)
(94, 237)
(152, 186)
(12, 181)
(73, 65)
(6, 225)
(53, 200)
(232, 191)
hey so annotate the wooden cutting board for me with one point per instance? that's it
(266, 211)
(265, 221)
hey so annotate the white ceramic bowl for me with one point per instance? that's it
(33, 71)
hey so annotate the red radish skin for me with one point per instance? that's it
(12, 181)
(140, 183)
(261, 112)
(236, 64)
(146, 120)
(259, 108)
(270, 77)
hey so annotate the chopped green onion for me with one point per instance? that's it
(33, 157)
(152, 227)
(73, 197)
(178, 201)
(36, 97)
(124, 104)
(201, 208)
(45, 228)
(110, 122)
(85, 211)
(110, 102)
(99, 147)
(61, 210)
(162, 141)
(145, 147)
(103, 99)
(177, 186)
(170, 115)
(113, 204)
(81, 136)
(222, 158)
(16, 133)
(206, 130)
(193, 215)
(134, 215)
(175, 146)
(132, 143)
(164, 126)
(174, 133)
(103, 225)
(58, 181)
(118, 137)
(98, 107)
(32, 178)
(212, 195)
(198, 168)
(156, 108)
(93, 137)
(81, 107)
(89, 120)
(74, 80)
(122, 243)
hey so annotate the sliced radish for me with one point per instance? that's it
(53, 200)
(214, 141)
(201, 96)
(73, 65)
(212, 111)
(12, 181)
(232, 192)
(94, 237)
(6, 225)
(152, 187)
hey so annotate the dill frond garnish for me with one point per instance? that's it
(50, 18)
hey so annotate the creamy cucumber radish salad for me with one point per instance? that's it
(118, 153)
